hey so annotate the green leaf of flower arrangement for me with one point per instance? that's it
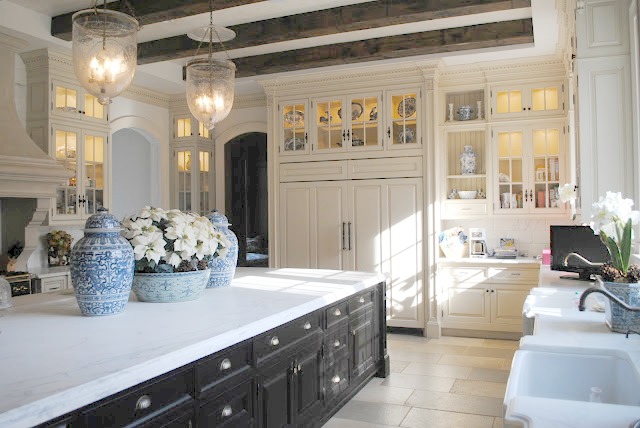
(625, 246)
(616, 259)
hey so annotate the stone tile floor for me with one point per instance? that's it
(434, 383)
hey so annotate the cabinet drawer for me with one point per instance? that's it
(336, 379)
(221, 366)
(279, 338)
(336, 313)
(511, 275)
(456, 209)
(335, 344)
(361, 301)
(159, 395)
(471, 275)
(232, 408)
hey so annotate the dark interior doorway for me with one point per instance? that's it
(246, 196)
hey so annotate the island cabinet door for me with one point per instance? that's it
(274, 409)
(307, 384)
(362, 344)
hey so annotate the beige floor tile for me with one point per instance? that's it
(406, 338)
(468, 361)
(413, 381)
(497, 423)
(413, 357)
(425, 418)
(428, 347)
(504, 344)
(486, 406)
(477, 351)
(440, 370)
(397, 366)
(507, 363)
(350, 423)
(379, 413)
(479, 388)
(460, 341)
(489, 375)
(383, 394)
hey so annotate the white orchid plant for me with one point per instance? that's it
(172, 240)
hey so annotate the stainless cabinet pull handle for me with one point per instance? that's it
(307, 325)
(344, 246)
(336, 343)
(361, 299)
(275, 341)
(226, 411)
(143, 402)
(335, 379)
(337, 312)
(225, 364)
(349, 230)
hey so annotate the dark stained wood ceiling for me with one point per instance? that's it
(338, 20)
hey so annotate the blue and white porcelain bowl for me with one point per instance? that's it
(102, 264)
(170, 287)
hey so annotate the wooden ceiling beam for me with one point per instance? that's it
(150, 11)
(430, 42)
(375, 14)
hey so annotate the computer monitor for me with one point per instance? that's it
(581, 240)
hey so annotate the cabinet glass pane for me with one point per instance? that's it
(545, 98)
(94, 170)
(66, 155)
(203, 131)
(404, 114)
(510, 173)
(294, 127)
(184, 180)
(546, 166)
(509, 101)
(92, 107)
(183, 127)
(204, 176)
(364, 122)
(329, 115)
(66, 99)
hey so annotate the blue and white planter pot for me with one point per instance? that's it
(170, 287)
(223, 268)
(102, 265)
(618, 318)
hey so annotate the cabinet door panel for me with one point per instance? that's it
(296, 226)
(275, 410)
(366, 232)
(329, 226)
(362, 347)
(506, 304)
(467, 305)
(308, 381)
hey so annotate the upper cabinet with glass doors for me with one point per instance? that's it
(193, 178)
(402, 119)
(346, 123)
(542, 99)
(293, 122)
(71, 101)
(530, 168)
(187, 126)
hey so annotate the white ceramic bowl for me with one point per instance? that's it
(467, 194)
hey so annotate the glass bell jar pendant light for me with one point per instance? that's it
(105, 51)
(210, 81)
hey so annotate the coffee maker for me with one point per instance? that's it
(478, 242)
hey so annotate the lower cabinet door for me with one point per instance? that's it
(362, 349)
(308, 386)
(232, 408)
(274, 397)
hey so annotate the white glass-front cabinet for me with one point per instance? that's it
(186, 127)
(193, 178)
(71, 101)
(293, 122)
(541, 99)
(369, 225)
(85, 153)
(403, 118)
(529, 168)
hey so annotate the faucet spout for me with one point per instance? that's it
(608, 294)
(590, 263)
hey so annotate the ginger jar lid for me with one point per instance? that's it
(102, 221)
(218, 219)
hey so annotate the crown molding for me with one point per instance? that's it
(178, 103)
(147, 96)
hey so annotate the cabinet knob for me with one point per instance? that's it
(361, 299)
(307, 325)
(337, 312)
(335, 379)
(336, 344)
(225, 364)
(143, 402)
(274, 341)
(226, 411)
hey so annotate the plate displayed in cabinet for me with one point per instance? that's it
(356, 111)
(294, 143)
(407, 136)
(357, 142)
(407, 107)
(294, 117)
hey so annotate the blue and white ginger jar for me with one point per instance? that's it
(468, 161)
(102, 264)
(223, 268)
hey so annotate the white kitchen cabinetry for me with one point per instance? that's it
(366, 225)
(527, 100)
(402, 117)
(55, 283)
(293, 127)
(484, 296)
(70, 101)
(529, 167)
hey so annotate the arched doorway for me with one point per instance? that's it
(246, 195)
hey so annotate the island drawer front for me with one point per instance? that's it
(231, 362)
(511, 275)
(336, 379)
(281, 337)
(335, 344)
(151, 397)
(232, 408)
(336, 313)
(361, 301)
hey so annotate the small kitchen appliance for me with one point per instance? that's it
(478, 242)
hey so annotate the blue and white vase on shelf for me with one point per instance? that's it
(102, 264)
(468, 161)
(223, 268)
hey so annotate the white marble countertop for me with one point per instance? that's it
(53, 360)
(519, 261)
